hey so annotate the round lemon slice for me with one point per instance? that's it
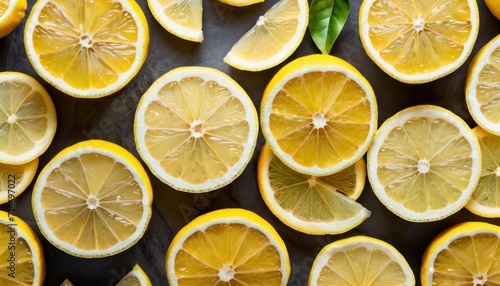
(14, 179)
(87, 49)
(318, 114)
(227, 247)
(310, 204)
(196, 129)
(464, 254)
(363, 261)
(417, 42)
(424, 163)
(12, 12)
(28, 118)
(93, 199)
(136, 277)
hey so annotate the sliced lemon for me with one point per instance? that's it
(22, 260)
(14, 179)
(136, 277)
(240, 3)
(362, 261)
(310, 204)
(93, 199)
(28, 118)
(424, 163)
(494, 7)
(227, 247)
(318, 114)
(196, 129)
(12, 12)
(482, 89)
(273, 39)
(464, 254)
(66, 282)
(182, 18)
(87, 48)
(418, 41)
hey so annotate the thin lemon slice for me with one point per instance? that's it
(66, 282)
(362, 261)
(418, 41)
(424, 163)
(464, 254)
(27, 118)
(196, 129)
(227, 247)
(482, 87)
(14, 179)
(12, 12)
(182, 18)
(275, 37)
(136, 277)
(319, 115)
(87, 48)
(310, 204)
(240, 3)
(22, 260)
(93, 199)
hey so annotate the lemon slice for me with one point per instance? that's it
(464, 254)
(12, 12)
(318, 114)
(66, 282)
(418, 41)
(227, 247)
(22, 260)
(310, 204)
(274, 37)
(87, 49)
(424, 163)
(362, 261)
(93, 199)
(196, 129)
(136, 277)
(240, 3)
(182, 18)
(482, 91)
(494, 7)
(14, 179)
(27, 118)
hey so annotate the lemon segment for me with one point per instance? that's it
(12, 13)
(240, 3)
(136, 277)
(14, 179)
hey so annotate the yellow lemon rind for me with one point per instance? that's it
(12, 17)
(240, 3)
(16, 187)
(138, 273)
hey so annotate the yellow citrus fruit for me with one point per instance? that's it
(464, 254)
(14, 179)
(274, 37)
(22, 259)
(136, 277)
(182, 18)
(362, 261)
(28, 118)
(494, 7)
(424, 163)
(418, 41)
(240, 3)
(66, 282)
(227, 247)
(12, 13)
(318, 114)
(482, 92)
(196, 129)
(310, 204)
(87, 48)
(93, 199)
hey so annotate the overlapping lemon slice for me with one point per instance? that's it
(14, 179)
(12, 13)
(136, 277)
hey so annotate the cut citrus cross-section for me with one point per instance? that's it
(87, 48)
(14, 179)
(12, 13)
(136, 277)
(227, 247)
(93, 199)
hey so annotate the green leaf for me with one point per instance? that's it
(326, 20)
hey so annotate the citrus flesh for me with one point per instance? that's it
(14, 179)
(12, 12)
(136, 277)
(240, 3)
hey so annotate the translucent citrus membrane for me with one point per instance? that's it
(24, 270)
(425, 172)
(4, 4)
(454, 266)
(321, 118)
(92, 202)
(196, 129)
(23, 117)
(228, 254)
(87, 45)
(419, 36)
(184, 12)
(314, 199)
(361, 266)
(488, 88)
(272, 30)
